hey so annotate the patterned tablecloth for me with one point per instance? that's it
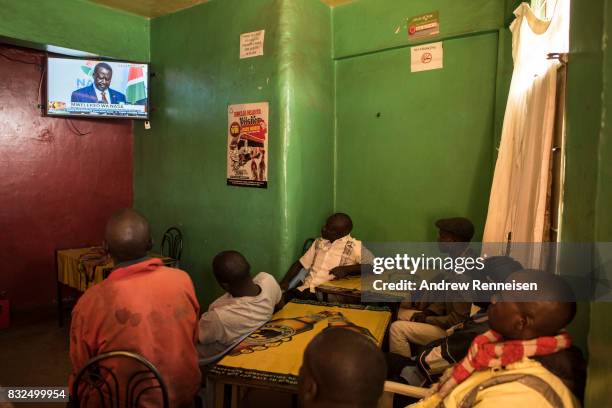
(274, 352)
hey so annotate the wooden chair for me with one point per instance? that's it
(98, 382)
(172, 245)
(392, 388)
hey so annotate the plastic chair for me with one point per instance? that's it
(101, 381)
(172, 245)
(392, 388)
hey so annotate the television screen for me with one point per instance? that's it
(96, 88)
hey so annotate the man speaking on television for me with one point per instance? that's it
(99, 91)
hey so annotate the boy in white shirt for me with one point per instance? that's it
(247, 305)
(335, 254)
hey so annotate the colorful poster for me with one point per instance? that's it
(247, 145)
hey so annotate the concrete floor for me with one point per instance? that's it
(34, 352)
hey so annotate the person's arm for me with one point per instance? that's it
(346, 270)
(210, 328)
(363, 259)
(81, 351)
(304, 262)
(291, 273)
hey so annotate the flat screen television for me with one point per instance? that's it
(97, 88)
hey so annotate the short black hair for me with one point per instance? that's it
(341, 220)
(347, 367)
(231, 267)
(102, 65)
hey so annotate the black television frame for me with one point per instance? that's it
(45, 96)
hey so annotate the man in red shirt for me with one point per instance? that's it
(143, 307)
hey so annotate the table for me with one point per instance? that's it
(82, 268)
(349, 287)
(271, 357)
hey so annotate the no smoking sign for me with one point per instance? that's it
(427, 57)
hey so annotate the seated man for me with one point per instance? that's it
(425, 368)
(515, 363)
(143, 307)
(247, 305)
(334, 255)
(341, 368)
(423, 322)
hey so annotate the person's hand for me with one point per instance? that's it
(419, 317)
(339, 272)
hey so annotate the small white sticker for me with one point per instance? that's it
(252, 44)
(427, 57)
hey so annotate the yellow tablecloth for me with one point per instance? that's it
(274, 352)
(71, 270)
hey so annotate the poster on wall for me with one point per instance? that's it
(247, 145)
(252, 44)
(427, 57)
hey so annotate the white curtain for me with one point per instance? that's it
(518, 200)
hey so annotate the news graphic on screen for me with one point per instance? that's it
(95, 88)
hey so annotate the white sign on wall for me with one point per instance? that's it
(427, 57)
(252, 44)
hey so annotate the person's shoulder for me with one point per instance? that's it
(353, 241)
(266, 278)
(174, 275)
(84, 90)
(174, 271)
(94, 297)
(268, 284)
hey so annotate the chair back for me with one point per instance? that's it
(118, 379)
(172, 244)
(307, 244)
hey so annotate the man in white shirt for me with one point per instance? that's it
(247, 305)
(335, 254)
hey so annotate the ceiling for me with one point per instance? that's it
(156, 8)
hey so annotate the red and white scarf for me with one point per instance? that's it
(488, 350)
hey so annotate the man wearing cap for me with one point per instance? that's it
(423, 322)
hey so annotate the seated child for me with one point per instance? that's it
(334, 255)
(341, 368)
(247, 305)
(509, 364)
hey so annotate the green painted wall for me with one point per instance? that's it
(75, 24)
(583, 106)
(419, 145)
(373, 25)
(600, 335)
(307, 96)
(180, 164)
